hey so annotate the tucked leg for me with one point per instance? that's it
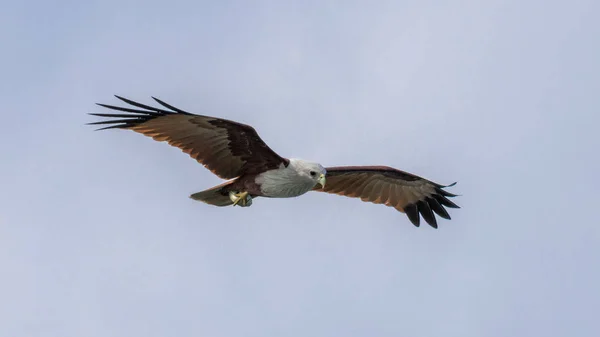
(242, 198)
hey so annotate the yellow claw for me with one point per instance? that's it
(239, 197)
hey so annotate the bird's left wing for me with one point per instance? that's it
(227, 148)
(405, 192)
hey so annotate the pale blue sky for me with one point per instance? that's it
(99, 238)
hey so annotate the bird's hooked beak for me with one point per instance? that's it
(322, 180)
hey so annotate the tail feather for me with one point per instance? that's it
(214, 196)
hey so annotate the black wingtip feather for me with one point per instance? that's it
(133, 117)
(433, 204)
(131, 121)
(169, 106)
(119, 126)
(437, 208)
(444, 192)
(426, 213)
(413, 214)
(142, 106)
(154, 112)
(444, 201)
(115, 115)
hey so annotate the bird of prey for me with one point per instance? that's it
(234, 151)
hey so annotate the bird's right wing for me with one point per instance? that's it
(229, 149)
(405, 192)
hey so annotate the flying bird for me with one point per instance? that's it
(235, 152)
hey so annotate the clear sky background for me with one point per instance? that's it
(99, 238)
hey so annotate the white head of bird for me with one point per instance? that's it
(313, 172)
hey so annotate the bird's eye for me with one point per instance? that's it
(313, 173)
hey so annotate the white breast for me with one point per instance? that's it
(283, 183)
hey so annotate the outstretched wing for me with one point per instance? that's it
(227, 148)
(405, 192)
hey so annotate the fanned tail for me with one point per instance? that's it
(216, 196)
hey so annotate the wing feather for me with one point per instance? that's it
(385, 194)
(229, 149)
(415, 196)
(437, 208)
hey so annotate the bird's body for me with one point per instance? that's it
(289, 181)
(235, 152)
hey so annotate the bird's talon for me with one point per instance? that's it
(241, 198)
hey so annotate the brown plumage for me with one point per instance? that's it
(228, 149)
(234, 151)
(405, 192)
